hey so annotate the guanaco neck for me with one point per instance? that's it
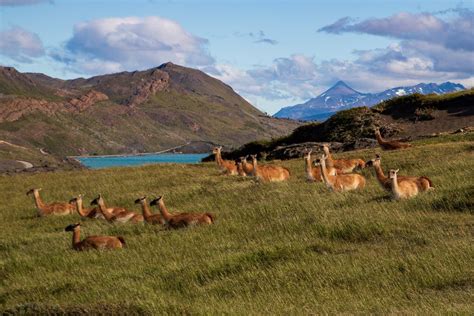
(38, 202)
(329, 160)
(76, 237)
(308, 167)
(103, 209)
(79, 207)
(324, 173)
(218, 158)
(379, 172)
(379, 138)
(395, 187)
(254, 164)
(163, 210)
(145, 209)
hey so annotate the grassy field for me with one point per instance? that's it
(275, 248)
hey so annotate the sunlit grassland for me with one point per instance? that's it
(275, 248)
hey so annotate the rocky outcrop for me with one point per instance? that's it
(85, 101)
(158, 81)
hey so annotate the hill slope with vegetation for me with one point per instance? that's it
(281, 248)
(141, 111)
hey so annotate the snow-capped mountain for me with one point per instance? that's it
(341, 96)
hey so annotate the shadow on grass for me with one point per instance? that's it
(353, 232)
(456, 201)
(95, 309)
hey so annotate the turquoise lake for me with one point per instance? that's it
(136, 160)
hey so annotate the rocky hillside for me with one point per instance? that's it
(408, 117)
(141, 111)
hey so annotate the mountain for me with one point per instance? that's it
(341, 96)
(127, 112)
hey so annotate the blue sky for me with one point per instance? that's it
(274, 53)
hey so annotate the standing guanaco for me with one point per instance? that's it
(181, 220)
(269, 173)
(56, 208)
(314, 174)
(343, 182)
(122, 216)
(227, 166)
(389, 145)
(93, 242)
(147, 214)
(344, 165)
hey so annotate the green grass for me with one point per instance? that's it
(287, 248)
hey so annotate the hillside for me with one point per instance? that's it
(141, 111)
(277, 248)
(341, 96)
(412, 116)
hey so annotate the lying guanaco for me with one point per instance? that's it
(247, 167)
(389, 145)
(93, 242)
(121, 215)
(56, 208)
(181, 220)
(314, 174)
(344, 165)
(240, 168)
(343, 182)
(423, 183)
(227, 166)
(147, 214)
(85, 212)
(402, 189)
(269, 173)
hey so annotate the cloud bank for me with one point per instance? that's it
(20, 44)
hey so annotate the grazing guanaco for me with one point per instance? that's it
(389, 145)
(343, 182)
(227, 166)
(93, 242)
(121, 215)
(147, 214)
(269, 173)
(402, 189)
(181, 220)
(314, 174)
(344, 165)
(56, 208)
(423, 183)
(85, 212)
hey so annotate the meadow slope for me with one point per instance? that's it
(274, 249)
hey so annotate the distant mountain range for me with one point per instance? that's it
(341, 96)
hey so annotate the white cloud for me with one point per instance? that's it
(20, 44)
(132, 43)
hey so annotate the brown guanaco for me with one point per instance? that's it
(56, 208)
(93, 242)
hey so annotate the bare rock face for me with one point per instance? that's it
(85, 101)
(14, 108)
(158, 81)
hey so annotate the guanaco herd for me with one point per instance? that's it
(337, 174)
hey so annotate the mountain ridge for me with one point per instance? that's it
(341, 96)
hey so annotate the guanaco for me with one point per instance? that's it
(122, 216)
(343, 182)
(227, 166)
(344, 165)
(314, 174)
(56, 208)
(93, 242)
(85, 212)
(247, 167)
(389, 145)
(147, 215)
(423, 183)
(402, 189)
(240, 169)
(181, 220)
(269, 173)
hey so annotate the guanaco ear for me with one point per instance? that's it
(396, 171)
(39, 189)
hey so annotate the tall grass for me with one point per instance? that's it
(275, 248)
